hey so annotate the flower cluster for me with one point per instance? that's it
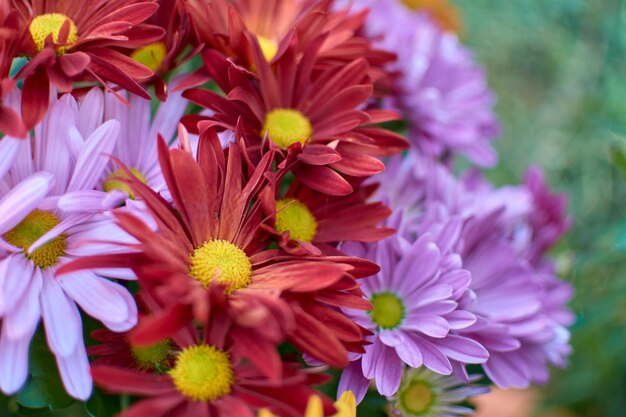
(259, 222)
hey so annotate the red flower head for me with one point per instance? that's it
(222, 25)
(10, 121)
(205, 378)
(317, 222)
(317, 123)
(71, 41)
(211, 238)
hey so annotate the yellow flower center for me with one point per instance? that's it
(287, 126)
(150, 357)
(416, 398)
(116, 181)
(152, 56)
(221, 261)
(48, 24)
(29, 230)
(388, 311)
(203, 373)
(445, 14)
(295, 217)
(268, 47)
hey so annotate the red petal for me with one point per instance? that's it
(35, 97)
(319, 155)
(126, 381)
(322, 179)
(161, 325)
(11, 123)
(74, 63)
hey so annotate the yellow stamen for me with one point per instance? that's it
(152, 56)
(116, 181)
(221, 261)
(346, 407)
(388, 311)
(287, 126)
(50, 24)
(268, 47)
(29, 230)
(416, 398)
(203, 373)
(150, 357)
(295, 217)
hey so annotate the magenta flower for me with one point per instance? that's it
(36, 237)
(442, 91)
(415, 314)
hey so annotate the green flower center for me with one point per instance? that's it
(152, 56)
(295, 217)
(203, 373)
(388, 311)
(150, 357)
(416, 398)
(50, 24)
(29, 230)
(117, 181)
(222, 261)
(286, 127)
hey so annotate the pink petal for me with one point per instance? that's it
(23, 199)
(13, 362)
(60, 316)
(74, 370)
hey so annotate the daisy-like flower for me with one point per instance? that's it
(316, 122)
(308, 217)
(213, 241)
(416, 314)
(442, 91)
(346, 407)
(73, 41)
(135, 148)
(207, 378)
(426, 394)
(36, 238)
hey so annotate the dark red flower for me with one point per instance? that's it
(210, 237)
(318, 124)
(206, 378)
(10, 121)
(70, 41)
(316, 222)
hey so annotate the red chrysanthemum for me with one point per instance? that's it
(222, 25)
(317, 222)
(70, 41)
(206, 378)
(317, 123)
(210, 238)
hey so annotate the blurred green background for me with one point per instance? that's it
(558, 68)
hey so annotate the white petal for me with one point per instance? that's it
(60, 316)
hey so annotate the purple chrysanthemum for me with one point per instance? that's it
(415, 312)
(36, 237)
(442, 91)
(520, 303)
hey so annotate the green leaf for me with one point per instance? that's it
(102, 405)
(618, 158)
(44, 388)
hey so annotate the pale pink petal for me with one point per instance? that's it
(13, 362)
(8, 149)
(23, 319)
(74, 370)
(60, 316)
(23, 199)
(17, 273)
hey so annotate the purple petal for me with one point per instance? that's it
(430, 325)
(434, 359)
(60, 316)
(352, 379)
(74, 370)
(13, 362)
(463, 349)
(17, 273)
(388, 372)
(8, 149)
(22, 199)
(410, 353)
(23, 319)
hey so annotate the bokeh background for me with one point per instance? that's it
(558, 68)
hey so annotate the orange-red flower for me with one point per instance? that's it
(69, 41)
(316, 122)
(205, 377)
(210, 238)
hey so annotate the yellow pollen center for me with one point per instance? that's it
(287, 126)
(203, 373)
(150, 357)
(117, 181)
(223, 262)
(29, 230)
(295, 217)
(388, 311)
(268, 47)
(152, 56)
(48, 24)
(416, 398)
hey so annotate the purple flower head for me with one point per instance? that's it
(36, 237)
(441, 90)
(520, 303)
(415, 312)
(427, 394)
